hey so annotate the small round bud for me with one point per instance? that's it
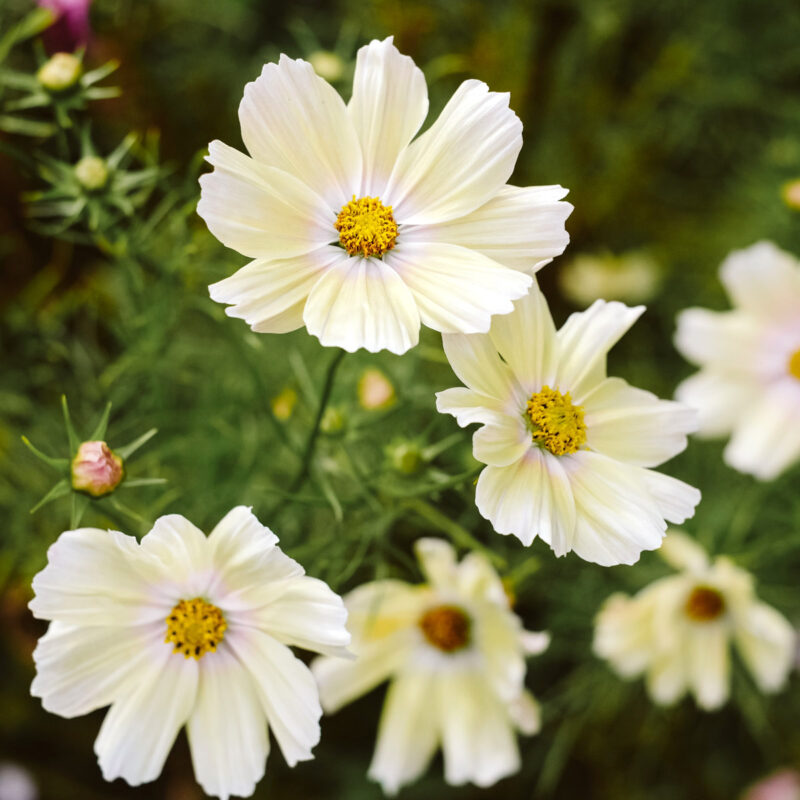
(406, 458)
(333, 420)
(327, 65)
(791, 194)
(375, 390)
(96, 469)
(60, 72)
(92, 173)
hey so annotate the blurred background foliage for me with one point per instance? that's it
(675, 127)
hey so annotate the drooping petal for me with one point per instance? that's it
(80, 669)
(293, 120)
(498, 639)
(667, 676)
(460, 162)
(623, 634)
(261, 211)
(720, 400)
(478, 738)
(584, 341)
(475, 361)
(456, 290)
(526, 339)
(227, 729)
(707, 653)
(408, 732)
(285, 688)
(362, 302)
(532, 497)
(388, 106)
(140, 727)
(521, 228)
(767, 643)
(501, 443)
(635, 426)
(526, 713)
(96, 577)
(265, 290)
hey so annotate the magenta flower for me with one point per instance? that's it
(96, 469)
(71, 28)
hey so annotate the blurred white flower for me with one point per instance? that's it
(748, 385)
(678, 630)
(16, 783)
(360, 233)
(631, 277)
(781, 785)
(185, 629)
(455, 653)
(568, 449)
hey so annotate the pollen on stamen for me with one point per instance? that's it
(704, 604)
(195, 627)
(794, 365)
(555, 423)
(446, 627)
(366, 227)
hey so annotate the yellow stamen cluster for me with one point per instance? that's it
(794, 365)
(446, 627)
(366, 227)
(195, 628)
(555, 423)
(704, 604)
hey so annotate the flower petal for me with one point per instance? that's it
(633, 425)
(388, 106)
(362, 302)
(501, 443)
(709, 663)
(720, 400)
(437, 558)
(261, 211)
(460, 162)
(293, 120)
(682, 552)
(475, 361)
(142, 724)
(521, 228)
(729, 339)
(263, 291)
(286, 690)
(408, 733)
(767, 642)
(456, 290)
(676, 500)
(468, 406)
(227, 729)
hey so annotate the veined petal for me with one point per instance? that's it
(456, 290)
(475, 361)
(526, 339)
(521, 228)
(676, 500)
(362, 302)
(468, 406)
(633, 425)
(140, 727)
(79, 669)
(285, 688)
(502, 443)
(293, 120)
(408, 733)
(460, 162)
(227, 729)
(261, 211)
(263, 291)
(584, 341)
(388, 106)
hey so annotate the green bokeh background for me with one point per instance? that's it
(673, 124)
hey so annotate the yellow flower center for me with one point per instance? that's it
(794, 365)
(446, 627)
(195, 628)
(704, 604)
(366, 227)
(555, 423)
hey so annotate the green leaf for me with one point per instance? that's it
(95, 75)
(26, 127)
(56, 463)
(59, 490)
(74, 441)
(28, 26)
(129, 449)
(80, 503)
(100, 431)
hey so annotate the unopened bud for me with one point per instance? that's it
(406, 458)
(327, 65)
(283, 403)
(791, 194)
(375, 390)
(96, 469)
(333, 420)
(92, 173)
(60, 72)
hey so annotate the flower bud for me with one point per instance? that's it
(406, 457)
(96, 469)
(333, 420)
(92, 173)
(60, 72)
(327, 65)
(283, 403)
(375, 390)
(791, 194)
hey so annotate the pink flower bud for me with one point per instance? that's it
(781, 785)
(96, 470)
(70, 29)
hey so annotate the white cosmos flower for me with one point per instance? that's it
(360, 233)
(568, 449)
(229, 605)
(748, 386)
(455, 654)
(679, 629)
